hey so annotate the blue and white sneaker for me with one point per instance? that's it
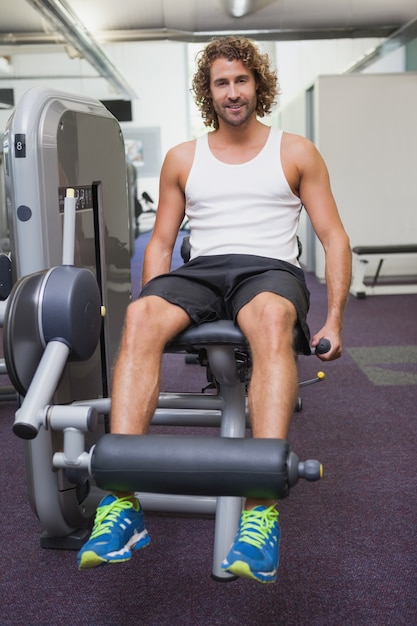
(254, 553)
(118, 529)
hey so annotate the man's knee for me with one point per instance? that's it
(279, 313)
(154, 319)
(137, 311)
(269, 311)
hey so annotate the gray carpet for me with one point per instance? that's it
(348, 550)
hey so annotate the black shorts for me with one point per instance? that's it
(216, 287)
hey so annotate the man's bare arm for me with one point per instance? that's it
(317, 197)
(170, 212)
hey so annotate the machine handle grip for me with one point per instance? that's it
(311, 470)
(323, 346)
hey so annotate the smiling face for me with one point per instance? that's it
(233, 91)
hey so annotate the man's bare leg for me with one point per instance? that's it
(268, 321)
(119, 527)
(150, 323)
(268, 324)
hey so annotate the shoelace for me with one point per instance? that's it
(109, 513)
(256, 525)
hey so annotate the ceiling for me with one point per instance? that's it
(22, 23)
(88, 24)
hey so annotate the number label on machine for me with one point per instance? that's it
(20, 146)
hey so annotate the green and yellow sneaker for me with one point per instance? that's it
(118, 530)
(254, 553)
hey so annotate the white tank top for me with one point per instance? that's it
(247, 208)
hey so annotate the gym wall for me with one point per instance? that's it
(365, 126)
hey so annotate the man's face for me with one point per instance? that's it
(233, 91)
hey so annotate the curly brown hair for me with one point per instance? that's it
(234, 48)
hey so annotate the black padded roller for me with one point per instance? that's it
(215, 466)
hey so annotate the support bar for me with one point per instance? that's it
(30, 417)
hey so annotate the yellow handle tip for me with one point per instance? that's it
(103, 311)
(321, 375)
(321, 470)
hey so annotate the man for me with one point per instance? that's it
(242, 187)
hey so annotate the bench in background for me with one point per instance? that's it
(378, 285)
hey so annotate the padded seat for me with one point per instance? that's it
(219, 333)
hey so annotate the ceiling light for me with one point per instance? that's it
(239, 8)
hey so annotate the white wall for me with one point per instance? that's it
(300, 62)
(366, 130)
(157, 71)
(57, 71)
